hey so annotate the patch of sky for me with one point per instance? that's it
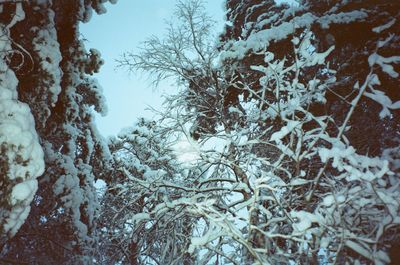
(121, 29)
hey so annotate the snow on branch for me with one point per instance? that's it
(21, 155)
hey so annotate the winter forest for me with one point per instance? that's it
(292, 115)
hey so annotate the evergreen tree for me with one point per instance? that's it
(47, 67)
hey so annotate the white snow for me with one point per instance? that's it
(304, 220)
(342, 18)
(187, 150)
(383, 27)
(16, 219)
(261, 39)
(385, 63)
(20, 144)
(285, 130)
(45, 43)
(23, 191)
(101, 187)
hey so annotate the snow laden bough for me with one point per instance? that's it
(21, 156)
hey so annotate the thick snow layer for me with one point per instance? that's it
(285, 130)
(24, 190)
(261, 39)
(20, 148)
(187, 151)
(46, 45)
(16, 219)
(342, 18)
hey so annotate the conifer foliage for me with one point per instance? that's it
(47, 130)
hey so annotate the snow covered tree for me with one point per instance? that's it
(138, 224)
(21, 156)
(187, 54)
(277, 119)
(364, 36)
(351, 27)
(45, 65)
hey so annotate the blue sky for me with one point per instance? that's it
(124, 26)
